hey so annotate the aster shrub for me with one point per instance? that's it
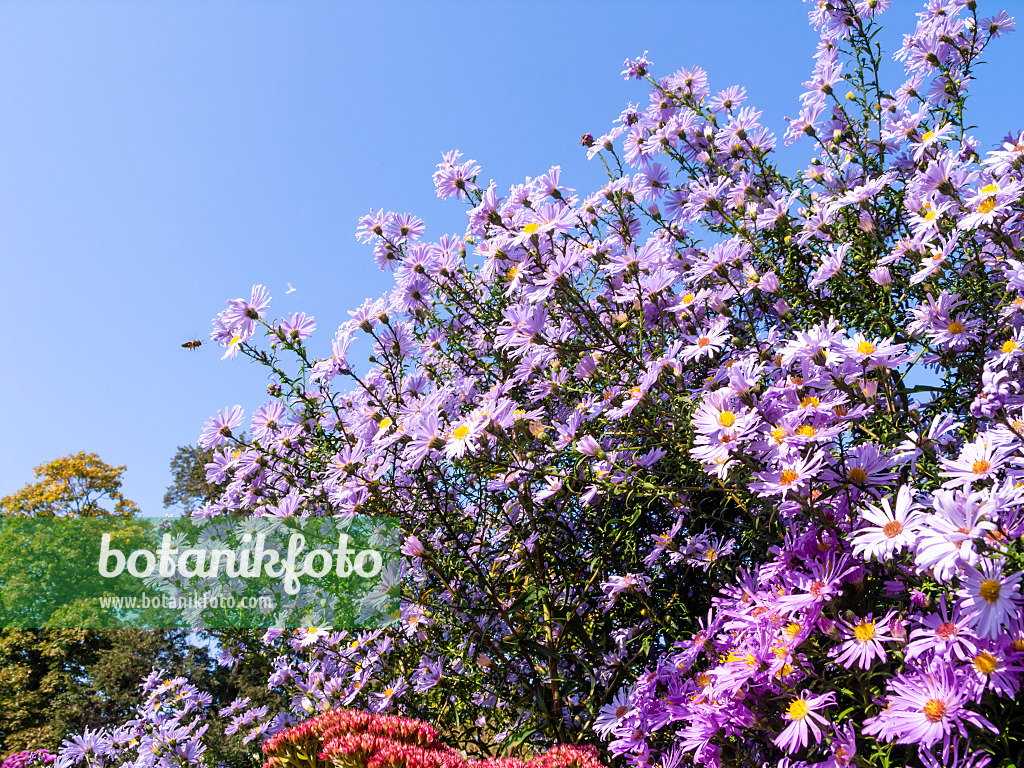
(712, 465)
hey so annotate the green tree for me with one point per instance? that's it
(189, 488)
(57, 682)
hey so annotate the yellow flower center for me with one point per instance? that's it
(726, 418)
(865, 347)
(985, 663)
(857, 475)
(989, 590)
(864, 631)
(810, 401)
(928, 136)
(532, 227)
(986, 205)
(1009, 346)
(512, 272)
(955, 328)
(792, 629)
(930, 216)
(688, 298)
(990, 189)
(807, 431)
(460, 432)
(980, 467)
(934, 710)
(798, 709)
(788, 477)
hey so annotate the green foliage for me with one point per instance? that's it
(189, 488)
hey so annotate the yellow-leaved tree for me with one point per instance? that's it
(78, 485)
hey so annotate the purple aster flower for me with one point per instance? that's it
(636, 68)
(863, 642)
(297, 327)
(804, 721)
(88, 745)
(217, 430)
(925, 706)
(242, 315)
(992, 597)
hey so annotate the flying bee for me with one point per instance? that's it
(192, 344)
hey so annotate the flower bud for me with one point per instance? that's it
(881, 275)
(769, 283)
(588, 446)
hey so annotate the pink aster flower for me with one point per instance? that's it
(991, 596)
(804, 720)
(889, 530)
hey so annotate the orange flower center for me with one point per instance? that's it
(955, 328)
(857, 475)
(934, 710)
(980, 467)
(788, 477)
(892, 529)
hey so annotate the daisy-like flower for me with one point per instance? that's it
(947, 538)
(709, 342)
(992, 597)
(889, 530)
(947, 636)
(863, 642)
(217, 430)
(463, 437)
(881, 353)
(804, 721)
(612, 714)
(979, 460)
(789, 477)
(925, 707)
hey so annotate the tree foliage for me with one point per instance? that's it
(78, 485)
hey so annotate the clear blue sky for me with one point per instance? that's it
(158, 158)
